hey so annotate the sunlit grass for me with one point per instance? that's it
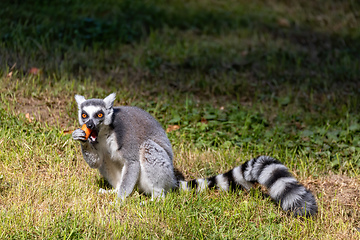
(48, 191)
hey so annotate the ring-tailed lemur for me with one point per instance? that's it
(129, 147)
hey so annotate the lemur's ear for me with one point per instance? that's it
(109, 100)
(79, 99)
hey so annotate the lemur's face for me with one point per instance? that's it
(95, 113)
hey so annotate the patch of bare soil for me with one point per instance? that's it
(341, 190)
(52, 111)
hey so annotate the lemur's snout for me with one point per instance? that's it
(90, 124)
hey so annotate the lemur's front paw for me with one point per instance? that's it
(79, 135)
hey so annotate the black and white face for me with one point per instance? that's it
(95, 113)
(92, 116)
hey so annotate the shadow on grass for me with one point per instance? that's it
(103, 183)
(42, 32)
(126, 21)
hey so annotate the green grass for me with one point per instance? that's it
(239, 78)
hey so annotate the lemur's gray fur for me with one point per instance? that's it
(130, 148)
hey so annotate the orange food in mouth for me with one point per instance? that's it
(86, 130)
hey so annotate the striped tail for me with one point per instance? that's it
(283, 188)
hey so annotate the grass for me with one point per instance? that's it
(236, 79)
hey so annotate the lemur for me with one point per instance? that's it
(130, 148)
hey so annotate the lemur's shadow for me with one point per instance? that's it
(103, 183)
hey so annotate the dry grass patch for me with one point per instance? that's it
(44, 110)
(50, 110)
(340, 196)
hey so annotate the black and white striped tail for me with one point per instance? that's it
(283, 188)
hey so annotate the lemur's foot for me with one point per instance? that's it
(104, 191)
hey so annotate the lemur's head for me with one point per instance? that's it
(95, 113)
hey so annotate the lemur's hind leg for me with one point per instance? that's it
(157, 175)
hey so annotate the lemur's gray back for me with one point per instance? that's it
(133, 126)
(130, 148)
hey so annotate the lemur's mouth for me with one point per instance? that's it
(93, 136)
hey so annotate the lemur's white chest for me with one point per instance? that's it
(108, 148)
(112, 159)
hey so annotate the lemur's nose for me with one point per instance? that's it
(90, 124)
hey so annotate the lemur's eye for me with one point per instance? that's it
(100, 115)
(83, 115)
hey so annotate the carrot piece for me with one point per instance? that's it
(86, 130)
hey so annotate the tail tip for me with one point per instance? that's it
(306, 206)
